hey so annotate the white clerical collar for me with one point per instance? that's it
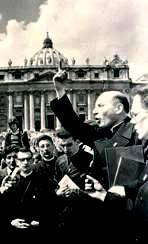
(25, 175)
(48, 159)
(112, 129)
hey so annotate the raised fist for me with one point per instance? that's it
(60, 76)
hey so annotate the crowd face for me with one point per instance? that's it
(106, 110)
(139, 114)
(46, 149)
(11, 160)
(70, 146)
(13, 127)
(25, 162)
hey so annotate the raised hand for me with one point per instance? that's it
(91, 184)
(9, 181)
(60, 76)
(20, 224)
(59, 79)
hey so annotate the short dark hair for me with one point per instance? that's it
(124, 101)
(24, 150)
(13, 120)
(64, 134)
(43, 137)
(142, 91)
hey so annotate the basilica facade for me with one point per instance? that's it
(26, 91)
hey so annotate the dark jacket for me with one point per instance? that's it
(74, 210)
(31, 198)
(76, 167)
(115, 215)
(141, 208)
(98, 139)
(23, 140)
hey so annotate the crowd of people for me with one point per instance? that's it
(62, 190)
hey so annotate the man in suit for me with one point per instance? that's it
(139, 113)
(75, 161)
(115, 130)
(47, 156)
(110, 112)
(73, 204)
(6, 171)
(9, 157)
(29, 201)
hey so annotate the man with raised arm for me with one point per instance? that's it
(110, 112)
(115, 130)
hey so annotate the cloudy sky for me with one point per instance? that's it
(78, 28)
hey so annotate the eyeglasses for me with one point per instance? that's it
(9, 157)
(23, 159)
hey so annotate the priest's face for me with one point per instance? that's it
(106, 110)
(70, 146)
(46, 149)
(25, 162)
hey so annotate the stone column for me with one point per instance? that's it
(26, 112)
(10, 107)
(42, 111)
(32, 122)
(89, 104)
(74, 102)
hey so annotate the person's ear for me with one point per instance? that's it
(17, 162)
(119, 108)
(78, 141)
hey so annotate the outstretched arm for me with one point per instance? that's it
(63, 109)
(59, 82)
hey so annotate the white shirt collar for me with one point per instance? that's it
(25, 175)
(112, 129)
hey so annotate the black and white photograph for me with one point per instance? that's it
(74, 121)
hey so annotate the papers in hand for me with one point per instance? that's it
(66, 181)
(120, 190)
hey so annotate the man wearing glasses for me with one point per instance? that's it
(30, 200)
(139, 113)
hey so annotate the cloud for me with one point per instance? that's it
(81, 29)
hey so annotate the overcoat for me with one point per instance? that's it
(97, 138)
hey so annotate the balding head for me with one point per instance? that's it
(115, 96)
